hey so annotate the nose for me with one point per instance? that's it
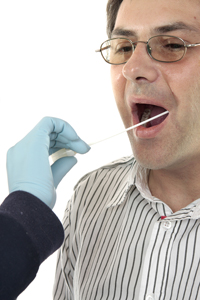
(140, 67)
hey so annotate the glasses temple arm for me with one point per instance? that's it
(192, 45)
(104, 48)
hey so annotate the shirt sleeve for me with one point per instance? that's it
(66, 271)
(63, 286)
(29, 233)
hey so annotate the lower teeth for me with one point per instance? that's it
(146, 114)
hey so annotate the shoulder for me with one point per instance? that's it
(106, 170)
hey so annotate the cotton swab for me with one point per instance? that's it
(132, 127)
(68, 152)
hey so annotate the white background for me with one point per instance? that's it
(48, 67)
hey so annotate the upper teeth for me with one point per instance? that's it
(146, 114)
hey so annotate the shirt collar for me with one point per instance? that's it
(191, 211)
(138, 177)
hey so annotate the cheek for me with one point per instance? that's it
(184, 83)
(118, 83)
(183, 78)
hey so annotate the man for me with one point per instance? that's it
(132, 227)
(29, 230)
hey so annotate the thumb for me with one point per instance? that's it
(61, 167)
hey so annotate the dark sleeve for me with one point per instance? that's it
(29, 233)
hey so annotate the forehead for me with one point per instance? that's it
(146, 15)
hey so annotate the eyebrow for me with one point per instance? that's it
(123, 32)
(158, 30)
(175, 26)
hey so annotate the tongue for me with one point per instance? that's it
(156, 110)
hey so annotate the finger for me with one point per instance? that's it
(78, 146)
(61, 167)
(68, 138)
(57, 127)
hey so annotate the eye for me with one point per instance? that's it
(174, 46)
(122, 48)
(171, 44)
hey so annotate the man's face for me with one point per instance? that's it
(174, 87)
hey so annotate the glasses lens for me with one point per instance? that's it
(116, 51)
(166, 48)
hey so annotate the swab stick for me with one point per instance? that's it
(68, 152)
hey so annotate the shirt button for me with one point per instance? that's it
(166, 224)
(150, 297)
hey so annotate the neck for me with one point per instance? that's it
(177, 188)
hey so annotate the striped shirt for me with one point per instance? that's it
(121, 243)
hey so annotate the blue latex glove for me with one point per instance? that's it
(28, 166)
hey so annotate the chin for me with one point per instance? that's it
(152, 158)
(152, 154)
(148, 162)
(160, 160)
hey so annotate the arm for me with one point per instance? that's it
(29, 233)
(29, 230)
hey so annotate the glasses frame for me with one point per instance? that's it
(185, 44)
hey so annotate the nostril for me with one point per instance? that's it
(140, 78)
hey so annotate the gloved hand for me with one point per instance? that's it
(28, 166)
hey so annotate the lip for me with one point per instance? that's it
(150, 132)
(141, 131)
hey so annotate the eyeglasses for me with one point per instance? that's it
(163, 48)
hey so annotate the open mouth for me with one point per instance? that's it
(147, 111)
